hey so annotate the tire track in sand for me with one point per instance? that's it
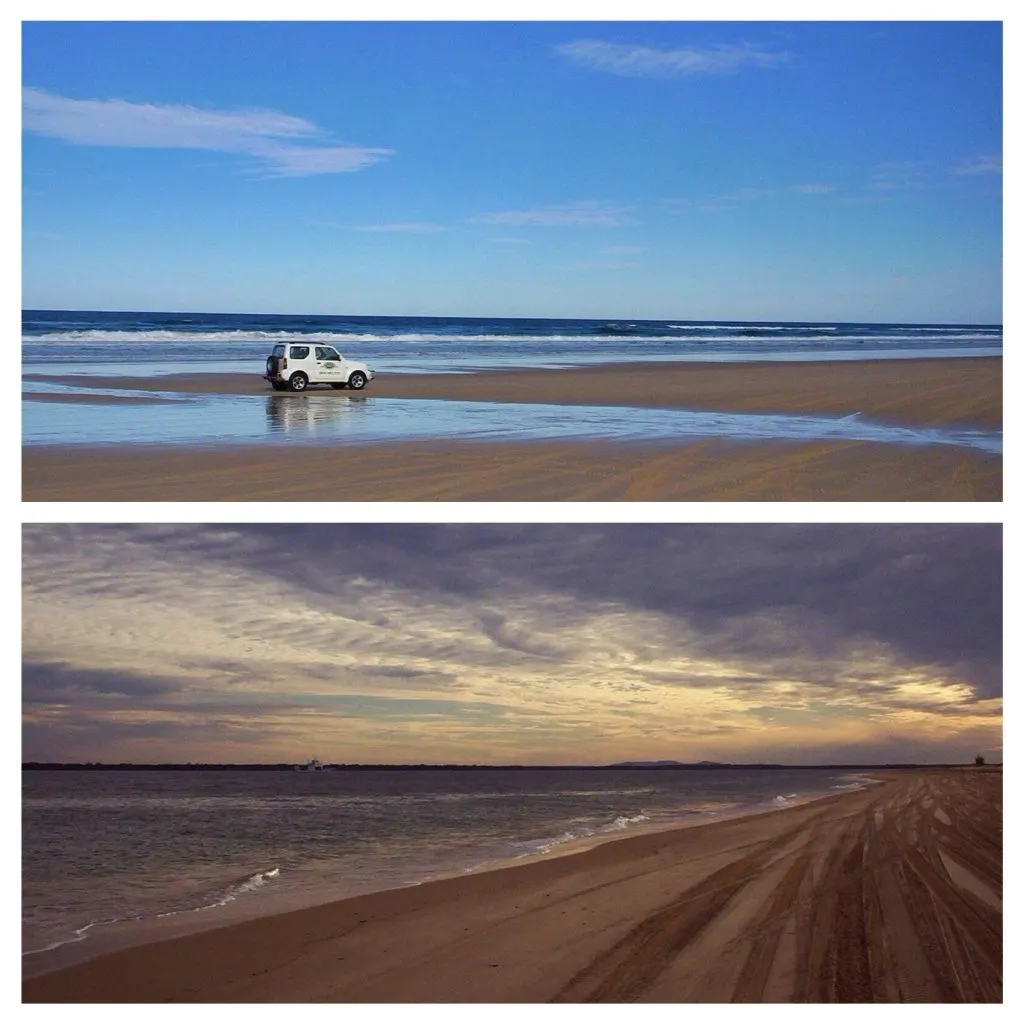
(865, 910)
(626, 970)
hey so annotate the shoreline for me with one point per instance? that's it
(917, 392)
(154, 929)
(925, 393)
(683, 914)
(127, 934)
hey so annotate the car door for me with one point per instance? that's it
(329, 365)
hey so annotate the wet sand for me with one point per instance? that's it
(889, 894)
(920, 392)
(966, 392)
(489, 471)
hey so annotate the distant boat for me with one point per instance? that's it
(312, 765)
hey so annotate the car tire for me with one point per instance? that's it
(271, 366)
(298, 381)
(357, 381)
(279, 385)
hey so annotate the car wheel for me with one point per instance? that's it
(357, 380)
(271, 366)
(279, 385)
(298, 381)
(338, 387)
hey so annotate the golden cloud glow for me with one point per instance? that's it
(137, 654)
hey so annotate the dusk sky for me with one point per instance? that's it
(843, 171)
(560, 644)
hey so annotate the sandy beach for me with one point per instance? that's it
(922, 392)
(474, 471)
(914, 391)
(893, 893)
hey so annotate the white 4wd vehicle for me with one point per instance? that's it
(294, 367)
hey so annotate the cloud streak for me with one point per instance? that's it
(980, 165)
(280, 145)
(402, 227)
(564, 215)
(636, 61)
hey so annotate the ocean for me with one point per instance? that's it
(136, 343)
(58, 344)
(111, 858)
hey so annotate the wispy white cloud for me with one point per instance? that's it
(980, 165)
(572, 215)
(417, 227)
(813, 188)
(303, 161)
(751, 193)
(676, 204)
(730, 200)
(282, 145)
(651, 62)
(899, 175)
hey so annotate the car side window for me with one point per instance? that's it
(300, 351)
(329, 353)
(322, 353)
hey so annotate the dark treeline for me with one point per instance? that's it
(631, 766)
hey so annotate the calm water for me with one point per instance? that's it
(110, 857)
(275, 419)
(134, 343)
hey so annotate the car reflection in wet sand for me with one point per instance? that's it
(312, 414)
(313, 418)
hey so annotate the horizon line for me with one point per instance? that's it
(664, 764)
(596, 319)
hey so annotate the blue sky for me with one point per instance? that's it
(719, 170)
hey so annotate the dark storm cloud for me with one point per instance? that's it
(406, 674)
(497, 627)
(45, 682)
(932, 593)
(80, 735)
(95, 692)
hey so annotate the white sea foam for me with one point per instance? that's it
(232, 893)
(792, 336)
(248, 885)
(78, 935)
(617, 824)
(853, 782)
(785, 801)
(251, 884)
(750, 328)
(547, 845)
(624, 822)
(93, 336)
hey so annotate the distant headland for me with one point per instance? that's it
(620, 765)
